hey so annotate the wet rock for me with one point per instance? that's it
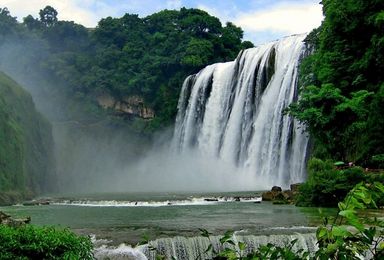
(276, 189)
(288, 195)
(279, 196)
(211, 199)
(3, 216)
(267, 196)
(7, 220)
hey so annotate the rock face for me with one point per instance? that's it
(276, 189)
(130, 106)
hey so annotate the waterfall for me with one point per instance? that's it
(233, 113)
(195, 247)
(185, 248)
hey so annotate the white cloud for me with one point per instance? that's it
(223, 15)
(262, 22)
(282, 18)
(88, 12)
(73, 10)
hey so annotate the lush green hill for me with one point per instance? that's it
(26, 146)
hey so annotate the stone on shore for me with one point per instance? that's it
(7, 220)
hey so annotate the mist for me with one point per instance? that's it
(163, 169)
(88, 148)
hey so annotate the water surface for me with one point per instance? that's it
(125, 217)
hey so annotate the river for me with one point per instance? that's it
(113, 219)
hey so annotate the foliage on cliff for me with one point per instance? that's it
(342, 93)
(149, 56)
(26, 159)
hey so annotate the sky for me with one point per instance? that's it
(261, 20)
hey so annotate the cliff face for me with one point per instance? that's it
(26, 145)
(132, 106)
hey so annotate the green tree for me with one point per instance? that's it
(32, 23)
(341, 81)
(48, 16)
(8, 25)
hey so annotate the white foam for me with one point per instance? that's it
(188, 202)
(123, 251)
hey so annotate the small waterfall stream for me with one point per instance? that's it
(234, 112)
(188, 248)
(195, 247)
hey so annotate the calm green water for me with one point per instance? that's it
(127, 217)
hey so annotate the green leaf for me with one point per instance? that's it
(242, 246)
(331, 248)
(381, 246)
(227, 236)
(321, 233)
(348, 214)
(340, 231)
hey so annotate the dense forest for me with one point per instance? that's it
(342, 83)
(342, 100)
(129, 56)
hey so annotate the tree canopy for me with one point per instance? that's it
(343, 82)
(149, 56)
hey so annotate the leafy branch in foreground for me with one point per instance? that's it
(353, 232)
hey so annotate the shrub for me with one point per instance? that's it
(326, 185)
(377, 161)
(31, 242)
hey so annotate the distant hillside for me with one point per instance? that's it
(26, 145)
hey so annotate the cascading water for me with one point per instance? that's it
(196, 247)
(233, 113)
